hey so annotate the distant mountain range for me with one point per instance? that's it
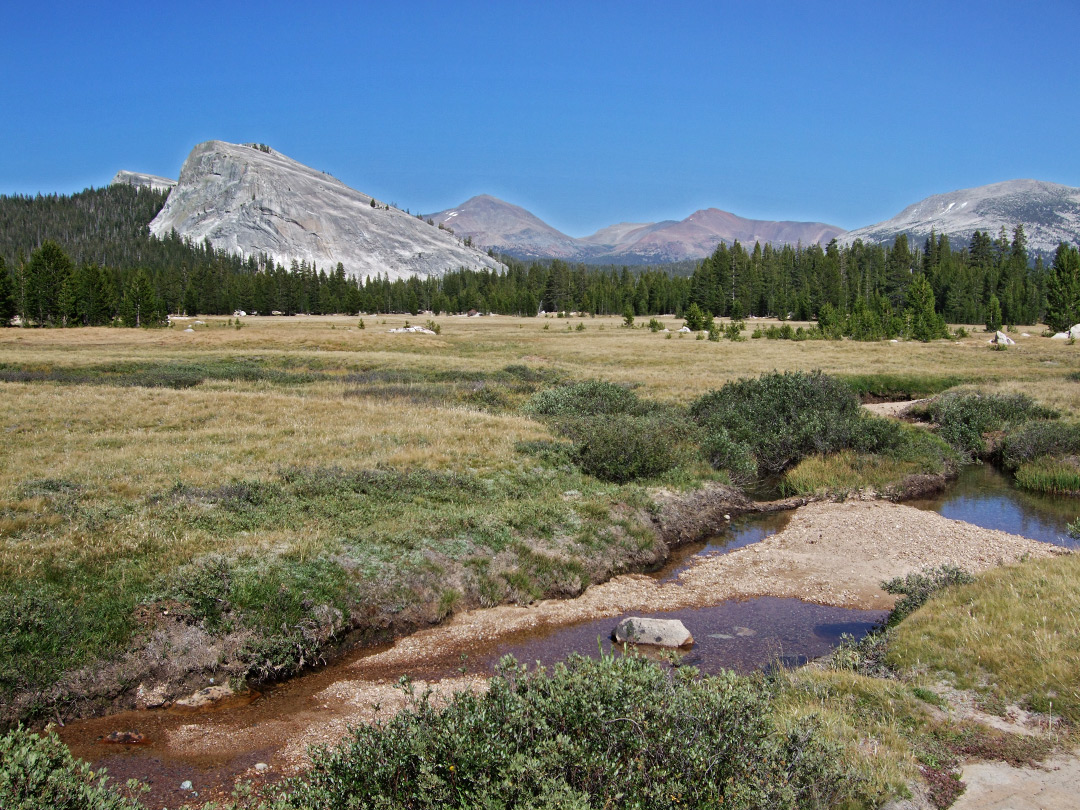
(249, 199)
(507, 228)
(1050, 214)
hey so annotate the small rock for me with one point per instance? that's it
(186, 785)
(205, 697)
(261, 767)
(1002, 339)
(124, 737)
(661, 632)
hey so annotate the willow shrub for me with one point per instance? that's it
(779, 418)
(614, 732)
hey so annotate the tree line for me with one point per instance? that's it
(89, 259)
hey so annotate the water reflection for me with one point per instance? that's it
(984, 496)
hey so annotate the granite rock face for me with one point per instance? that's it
(140, 180)
(1049, 212)
(250, 200)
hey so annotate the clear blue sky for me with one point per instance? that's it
(586, 113)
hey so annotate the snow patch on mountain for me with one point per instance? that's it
(1049, 212)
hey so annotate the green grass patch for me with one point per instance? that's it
(172, 374)
(1056, 476)
(898, 387)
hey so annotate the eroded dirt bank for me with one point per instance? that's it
(830, 553)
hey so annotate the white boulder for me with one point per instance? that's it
(660, 632)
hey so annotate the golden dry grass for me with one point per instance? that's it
(1016, 633)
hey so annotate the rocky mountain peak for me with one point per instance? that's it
(1049, 212)
(140, 180)
(251, 200)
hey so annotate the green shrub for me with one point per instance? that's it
(1040, 438)
(621, 448)
(963, 418)
(38, 771)
(655, 325)
(918, 586)
(781, 418)
(614, 732)
(725, 454)
(590, 398)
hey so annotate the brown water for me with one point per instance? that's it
(740, 635)
(743, 635)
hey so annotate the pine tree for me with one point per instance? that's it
(1063, 289)
(46, 274)
(923, 321)
(7, 295)
(141, 306)
(993, 315)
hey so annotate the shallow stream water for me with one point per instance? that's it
(741, 635)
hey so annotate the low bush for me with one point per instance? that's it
(780, 418)
(917, 587)
(622, 448)
(1037, 439)
(38, 771)
(614, 732)
(963, 418)
(590, 398)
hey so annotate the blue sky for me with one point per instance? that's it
(586, 113)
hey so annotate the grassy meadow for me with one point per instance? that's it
(294, 477)
(286, 481)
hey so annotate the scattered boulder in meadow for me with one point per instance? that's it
(660, 632)
(413, 329)
(686, 329)
(1002, 339)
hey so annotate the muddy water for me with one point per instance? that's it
(741, 635)
(744, 636)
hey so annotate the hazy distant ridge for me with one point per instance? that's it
(508, 228)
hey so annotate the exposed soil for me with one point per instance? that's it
(829, 553)
(1053, 785)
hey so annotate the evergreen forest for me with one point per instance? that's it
(89, 259)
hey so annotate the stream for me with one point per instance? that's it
(743, 635)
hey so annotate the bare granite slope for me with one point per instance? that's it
(140, 180)
(251, 200)
(1049, 212)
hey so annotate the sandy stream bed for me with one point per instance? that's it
(830, 553)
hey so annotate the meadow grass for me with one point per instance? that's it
(1057, 476)
(133, 455)
(1014, 634)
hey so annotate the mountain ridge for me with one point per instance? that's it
(1049, 212)
(511, 229)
